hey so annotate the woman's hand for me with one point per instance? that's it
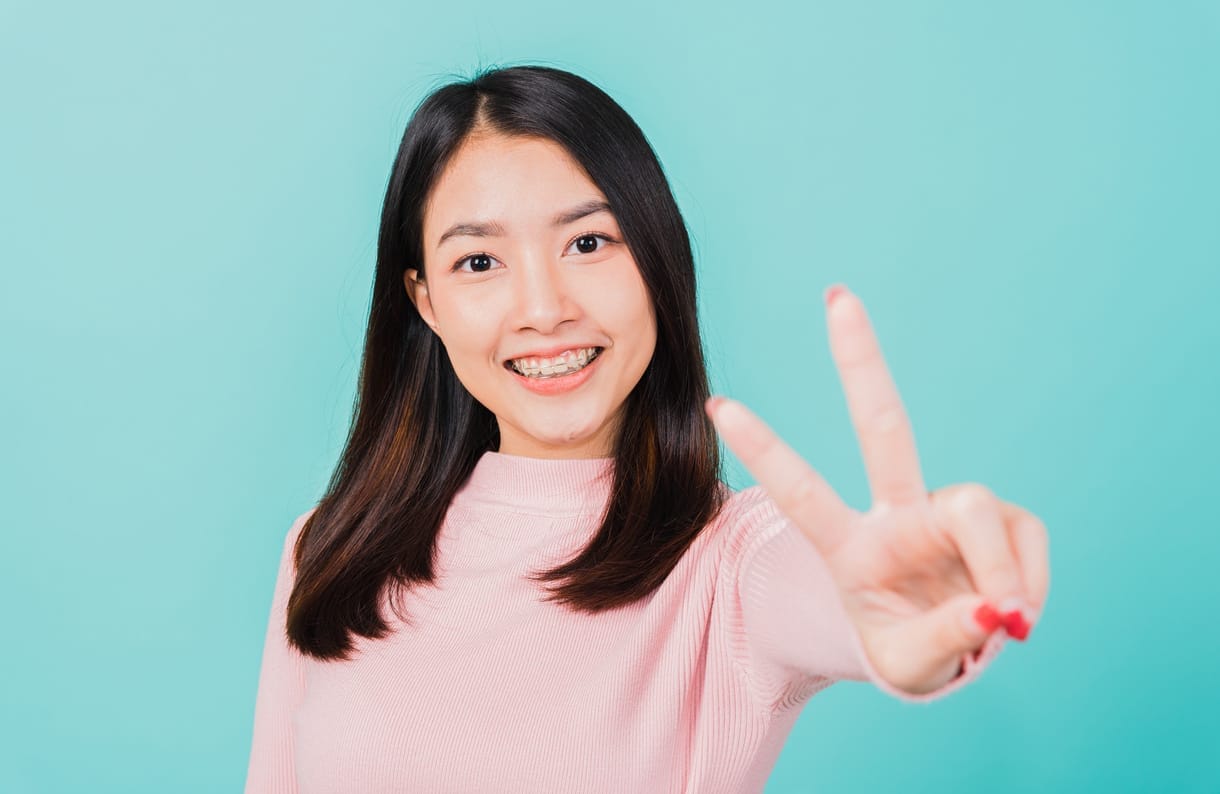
(924, 577)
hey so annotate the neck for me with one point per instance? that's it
(544, 485)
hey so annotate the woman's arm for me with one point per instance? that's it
(925, 578)
(791, 633)
(281, 688)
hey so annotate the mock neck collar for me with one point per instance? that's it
(543, 485)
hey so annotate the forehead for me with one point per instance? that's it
(520, 181)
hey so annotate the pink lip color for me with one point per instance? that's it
(563, 383)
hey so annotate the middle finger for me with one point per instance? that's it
(887, 441)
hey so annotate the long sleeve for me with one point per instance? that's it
(281, 688)
(486, 684)
(794, 635)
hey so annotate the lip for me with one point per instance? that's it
(562, 384)
(549, 351)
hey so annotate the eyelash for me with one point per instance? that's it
(609, 240)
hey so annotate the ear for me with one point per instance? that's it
(417, 291)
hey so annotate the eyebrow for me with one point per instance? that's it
(496, 229)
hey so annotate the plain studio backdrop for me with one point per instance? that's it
(1027, 199)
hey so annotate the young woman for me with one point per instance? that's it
(525, 574)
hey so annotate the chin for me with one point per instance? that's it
(568, 440)
(568, 437)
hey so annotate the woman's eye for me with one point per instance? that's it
(479, 263)
(586, 243)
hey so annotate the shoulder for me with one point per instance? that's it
(298, 523)
(748, 517)
(751, 506)
(293, 535)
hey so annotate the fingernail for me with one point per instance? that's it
(1015, 613)
(987, 617)
(1016, 625)
(834, 291)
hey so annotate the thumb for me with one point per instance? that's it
(942, 636)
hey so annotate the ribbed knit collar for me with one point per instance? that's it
(554, 486)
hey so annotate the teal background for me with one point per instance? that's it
(1024, 195)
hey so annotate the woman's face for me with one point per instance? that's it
(522, 269)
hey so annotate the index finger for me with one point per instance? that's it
(887, 441)
(797, 489)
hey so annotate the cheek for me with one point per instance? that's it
(634, 313)
(454, 313)
(469, 331)
(622, 300)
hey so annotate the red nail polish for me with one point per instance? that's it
(1016, 625)
(834, 291)
(987, 617)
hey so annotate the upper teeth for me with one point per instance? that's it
(568, 361)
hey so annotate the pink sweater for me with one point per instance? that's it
(694, 689)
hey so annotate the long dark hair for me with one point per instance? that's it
(416, 432)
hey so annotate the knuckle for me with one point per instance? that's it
(1004, 580)
(888, 419)
(901, 491)
(853, 355)
(972, 498)
(768, 445)
(1032, 530)
(804, 492)
(1038, 528)
(956, 633)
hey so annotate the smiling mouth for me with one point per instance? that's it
(568, 366)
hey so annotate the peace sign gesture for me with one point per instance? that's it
(924, 577)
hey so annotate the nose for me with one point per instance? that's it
(542, 299)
